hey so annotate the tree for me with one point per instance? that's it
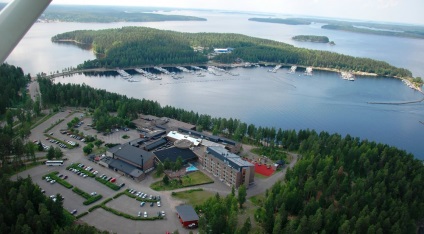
(178, 163)
(98, 143)
(58, 154)
(167, 164)
(159, 169)
(165, 180)
(87, 149)
(50, 153)
(242, 192)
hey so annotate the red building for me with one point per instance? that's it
(188, 217)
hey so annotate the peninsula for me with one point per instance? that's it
(139, 46)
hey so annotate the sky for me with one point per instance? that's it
(402, 11)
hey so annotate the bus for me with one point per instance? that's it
(54, 163)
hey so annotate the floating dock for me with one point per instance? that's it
(309, 71)
(162, 70)
(275, 69)
(148, 75)
(347, 76)
(292, 69)
(183, 69)
(124, 74)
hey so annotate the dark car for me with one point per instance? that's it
(151, 204)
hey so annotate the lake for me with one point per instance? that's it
(321, 102)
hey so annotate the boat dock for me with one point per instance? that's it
(124, 74)
(162, 70)
(199, 68)
(347, 76)
(292, 69)
(275, 69)
(148, 75)
(309, 71)
(183, 69)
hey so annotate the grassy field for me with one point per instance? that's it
(194, 178)
(193, 197)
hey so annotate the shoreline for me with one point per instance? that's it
(356, 73)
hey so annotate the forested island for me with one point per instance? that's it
(136, 46)
(108, 14)
(412, 31)
(311, 38)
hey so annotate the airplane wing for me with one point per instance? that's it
(16, 19)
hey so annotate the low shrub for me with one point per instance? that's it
(92, 199)
(81, 215)
(53, 175)
(81, 193)
(109, 184)
(94, 207)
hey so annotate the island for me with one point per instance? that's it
(141, 46)
(398, 30)
(109, 14)
(289, 21)
(311, 38)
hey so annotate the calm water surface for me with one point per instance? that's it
(322, 102)
(290, 101)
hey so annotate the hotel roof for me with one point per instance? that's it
(232, 159)
(178, 136)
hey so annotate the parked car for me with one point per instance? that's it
(93, 194)
(158, 203)
(145, 214)
(151, 204)
(139, 214)
(74, 211)
(142, 204)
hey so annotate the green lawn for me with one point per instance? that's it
(194, 178)
(193, 197)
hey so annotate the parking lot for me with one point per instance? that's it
(99, 217)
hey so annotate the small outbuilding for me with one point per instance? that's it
(187, 215)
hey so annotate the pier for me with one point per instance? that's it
(124, 74)
(292, 69)
(162, 70)
(146, 74)
(275, 69)
(308, 71)
(347, 76)
(183, 69)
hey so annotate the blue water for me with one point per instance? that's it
(323, 102)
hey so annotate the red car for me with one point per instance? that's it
(113, 180)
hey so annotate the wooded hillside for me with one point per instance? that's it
(135, 46)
